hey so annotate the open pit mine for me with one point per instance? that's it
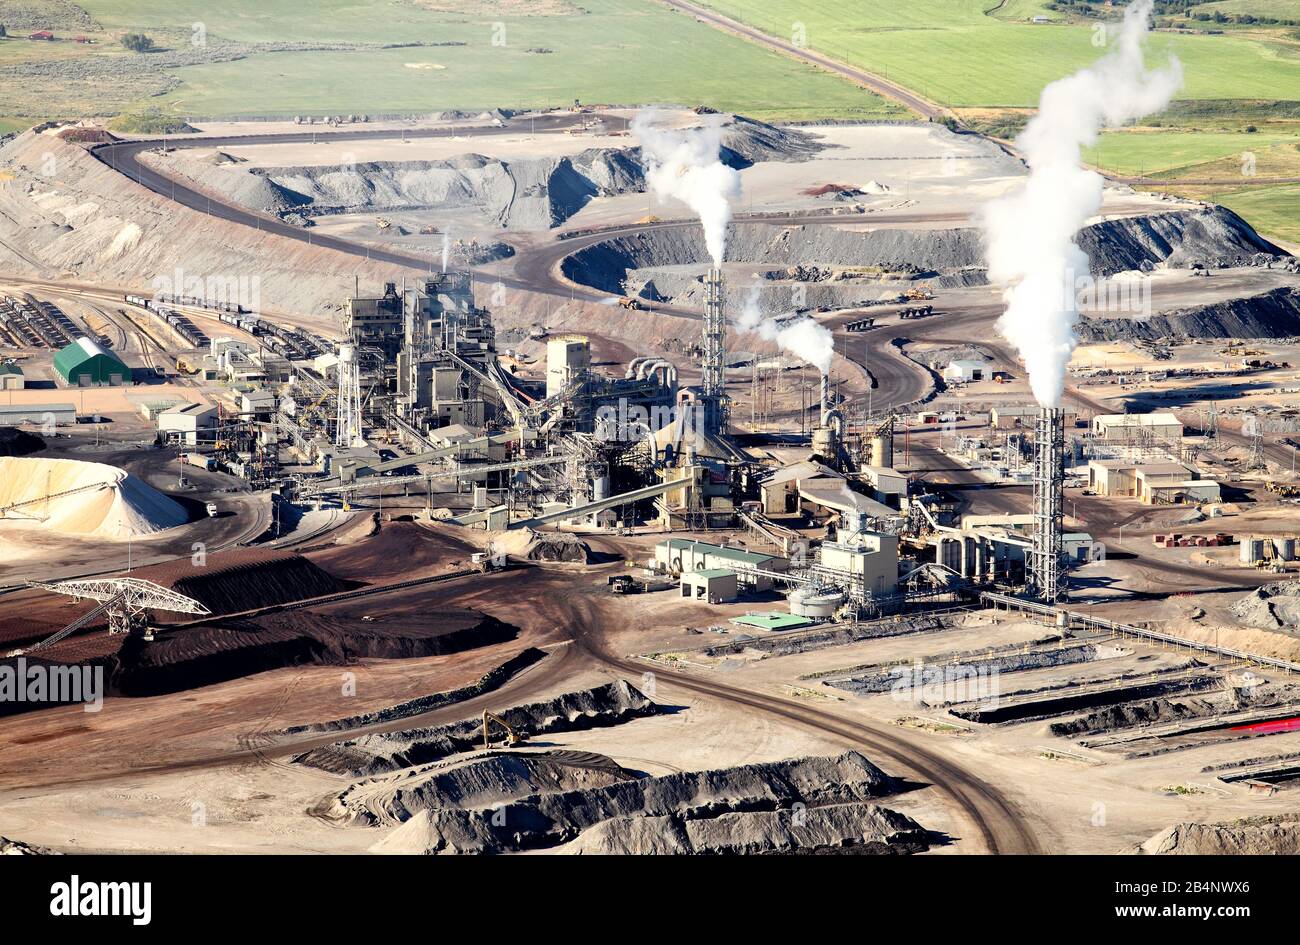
(617, 480)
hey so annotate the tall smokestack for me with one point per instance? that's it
(713, 360)
(826, 396)
(1047, 581)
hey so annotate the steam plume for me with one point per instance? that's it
(805, 339)
(1030, 234)
(684, 164)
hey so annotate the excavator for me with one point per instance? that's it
(512, 737)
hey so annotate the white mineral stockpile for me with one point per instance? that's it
(87, 499)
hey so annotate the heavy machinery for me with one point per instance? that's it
(1288, 490)
(630, 303)
(921, 293)
(512, 737)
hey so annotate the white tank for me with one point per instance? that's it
(814, 602)
(1252, 550)
(1284, 549)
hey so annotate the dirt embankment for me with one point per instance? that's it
(1272, 314)
(1258, 836)
(236, 581)
(479, 781)
(801, 803)
(88, 221)
(882, 261)
(493, 679)
(611, 704)
(211, 653)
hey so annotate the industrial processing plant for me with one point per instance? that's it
(823, 460)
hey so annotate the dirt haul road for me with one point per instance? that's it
(995, 824)
(995, 820)
(534, 270)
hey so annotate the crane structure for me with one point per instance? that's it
(124, 600)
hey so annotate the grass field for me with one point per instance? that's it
(952, 52)
(1274, 211)
(1133, 153)
(613, 51)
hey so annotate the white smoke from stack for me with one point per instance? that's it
(684, 164)
(805, 339)
(446, 249)
(1030, 234)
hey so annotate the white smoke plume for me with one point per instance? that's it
(446, 248)
(1030, 234)
(684, 164)
(805, 339)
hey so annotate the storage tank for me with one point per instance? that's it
(882, 450)
(814, 602)
(1284, 549)
(1252, 550)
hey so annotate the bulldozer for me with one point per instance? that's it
(1288, 490)
(921, 293)
(512, 737)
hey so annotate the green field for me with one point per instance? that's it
(1274, 211)
(610, 51)
(954, 53)
(1136, 153)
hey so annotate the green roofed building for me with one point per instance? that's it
(85, 364)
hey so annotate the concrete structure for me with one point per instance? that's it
(1138, 429)
(963, 371)
(887, 485)
(780, 492)
(85, 364)
(682, 555)
(568, 357)
(870, 558)
(715, 585)
(187, 423)
(258, 403)
(11, 376)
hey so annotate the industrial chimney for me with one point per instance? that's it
(1046, 559)
(713, 388)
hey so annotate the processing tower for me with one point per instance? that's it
(713, 388)
(1046, 557)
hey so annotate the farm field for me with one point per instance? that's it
(615, 51)
(954, 53)
(1145, 152)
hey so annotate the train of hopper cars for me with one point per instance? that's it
(290, 342)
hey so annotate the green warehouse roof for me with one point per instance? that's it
(85, 358)
(774, 621)
(717, 551)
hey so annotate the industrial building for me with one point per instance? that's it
(1137, 429)
(716, 585)
(188, 424)
(964, 371)
(682, 556)
(1155, 483)
(11, 376)
(85, 364)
